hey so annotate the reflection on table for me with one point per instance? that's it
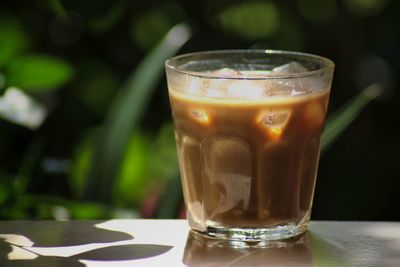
(201, 251)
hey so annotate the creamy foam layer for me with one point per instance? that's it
(273, 100)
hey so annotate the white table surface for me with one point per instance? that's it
(120, 243)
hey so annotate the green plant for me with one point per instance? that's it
(125, 113)
(68, 67)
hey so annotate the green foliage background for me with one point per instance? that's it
(105, 148)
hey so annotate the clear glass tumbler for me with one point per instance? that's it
(248, 127)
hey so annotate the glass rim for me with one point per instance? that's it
(327, 64)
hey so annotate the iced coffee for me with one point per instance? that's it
(248, 139)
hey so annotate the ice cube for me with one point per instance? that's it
(274, 122)
(272, 118)
(200, 116)
(288, 86)
(226, 72)
(289, 68)
(244, 89)
(279, 88)
(216, 87)
(193, 85)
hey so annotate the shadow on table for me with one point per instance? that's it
(305, 250)
(41, 244)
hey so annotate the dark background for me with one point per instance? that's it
(95, 46)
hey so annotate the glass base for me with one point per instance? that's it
(278, 232)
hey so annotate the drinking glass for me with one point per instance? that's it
(248, 127)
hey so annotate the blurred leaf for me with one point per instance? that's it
(5, 188)
(4, 193)
(38, 73)
(150, 27)
(99, 16)
(289, 36)
(164, 157)
(87, 211)
(44, 211)
(170, 202)
(58, 9)
(133, 179)
(251, 20)
(127, 213)
(45, 206)
(16, 213)
(341, 119)
(165, 164)
(134, 176)
(13, 39)
(30, 160)
(81, 163)
(126, 112)
(318, 11)
(2, 81)
(103, 23)
(365, 8)
(96, 85)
